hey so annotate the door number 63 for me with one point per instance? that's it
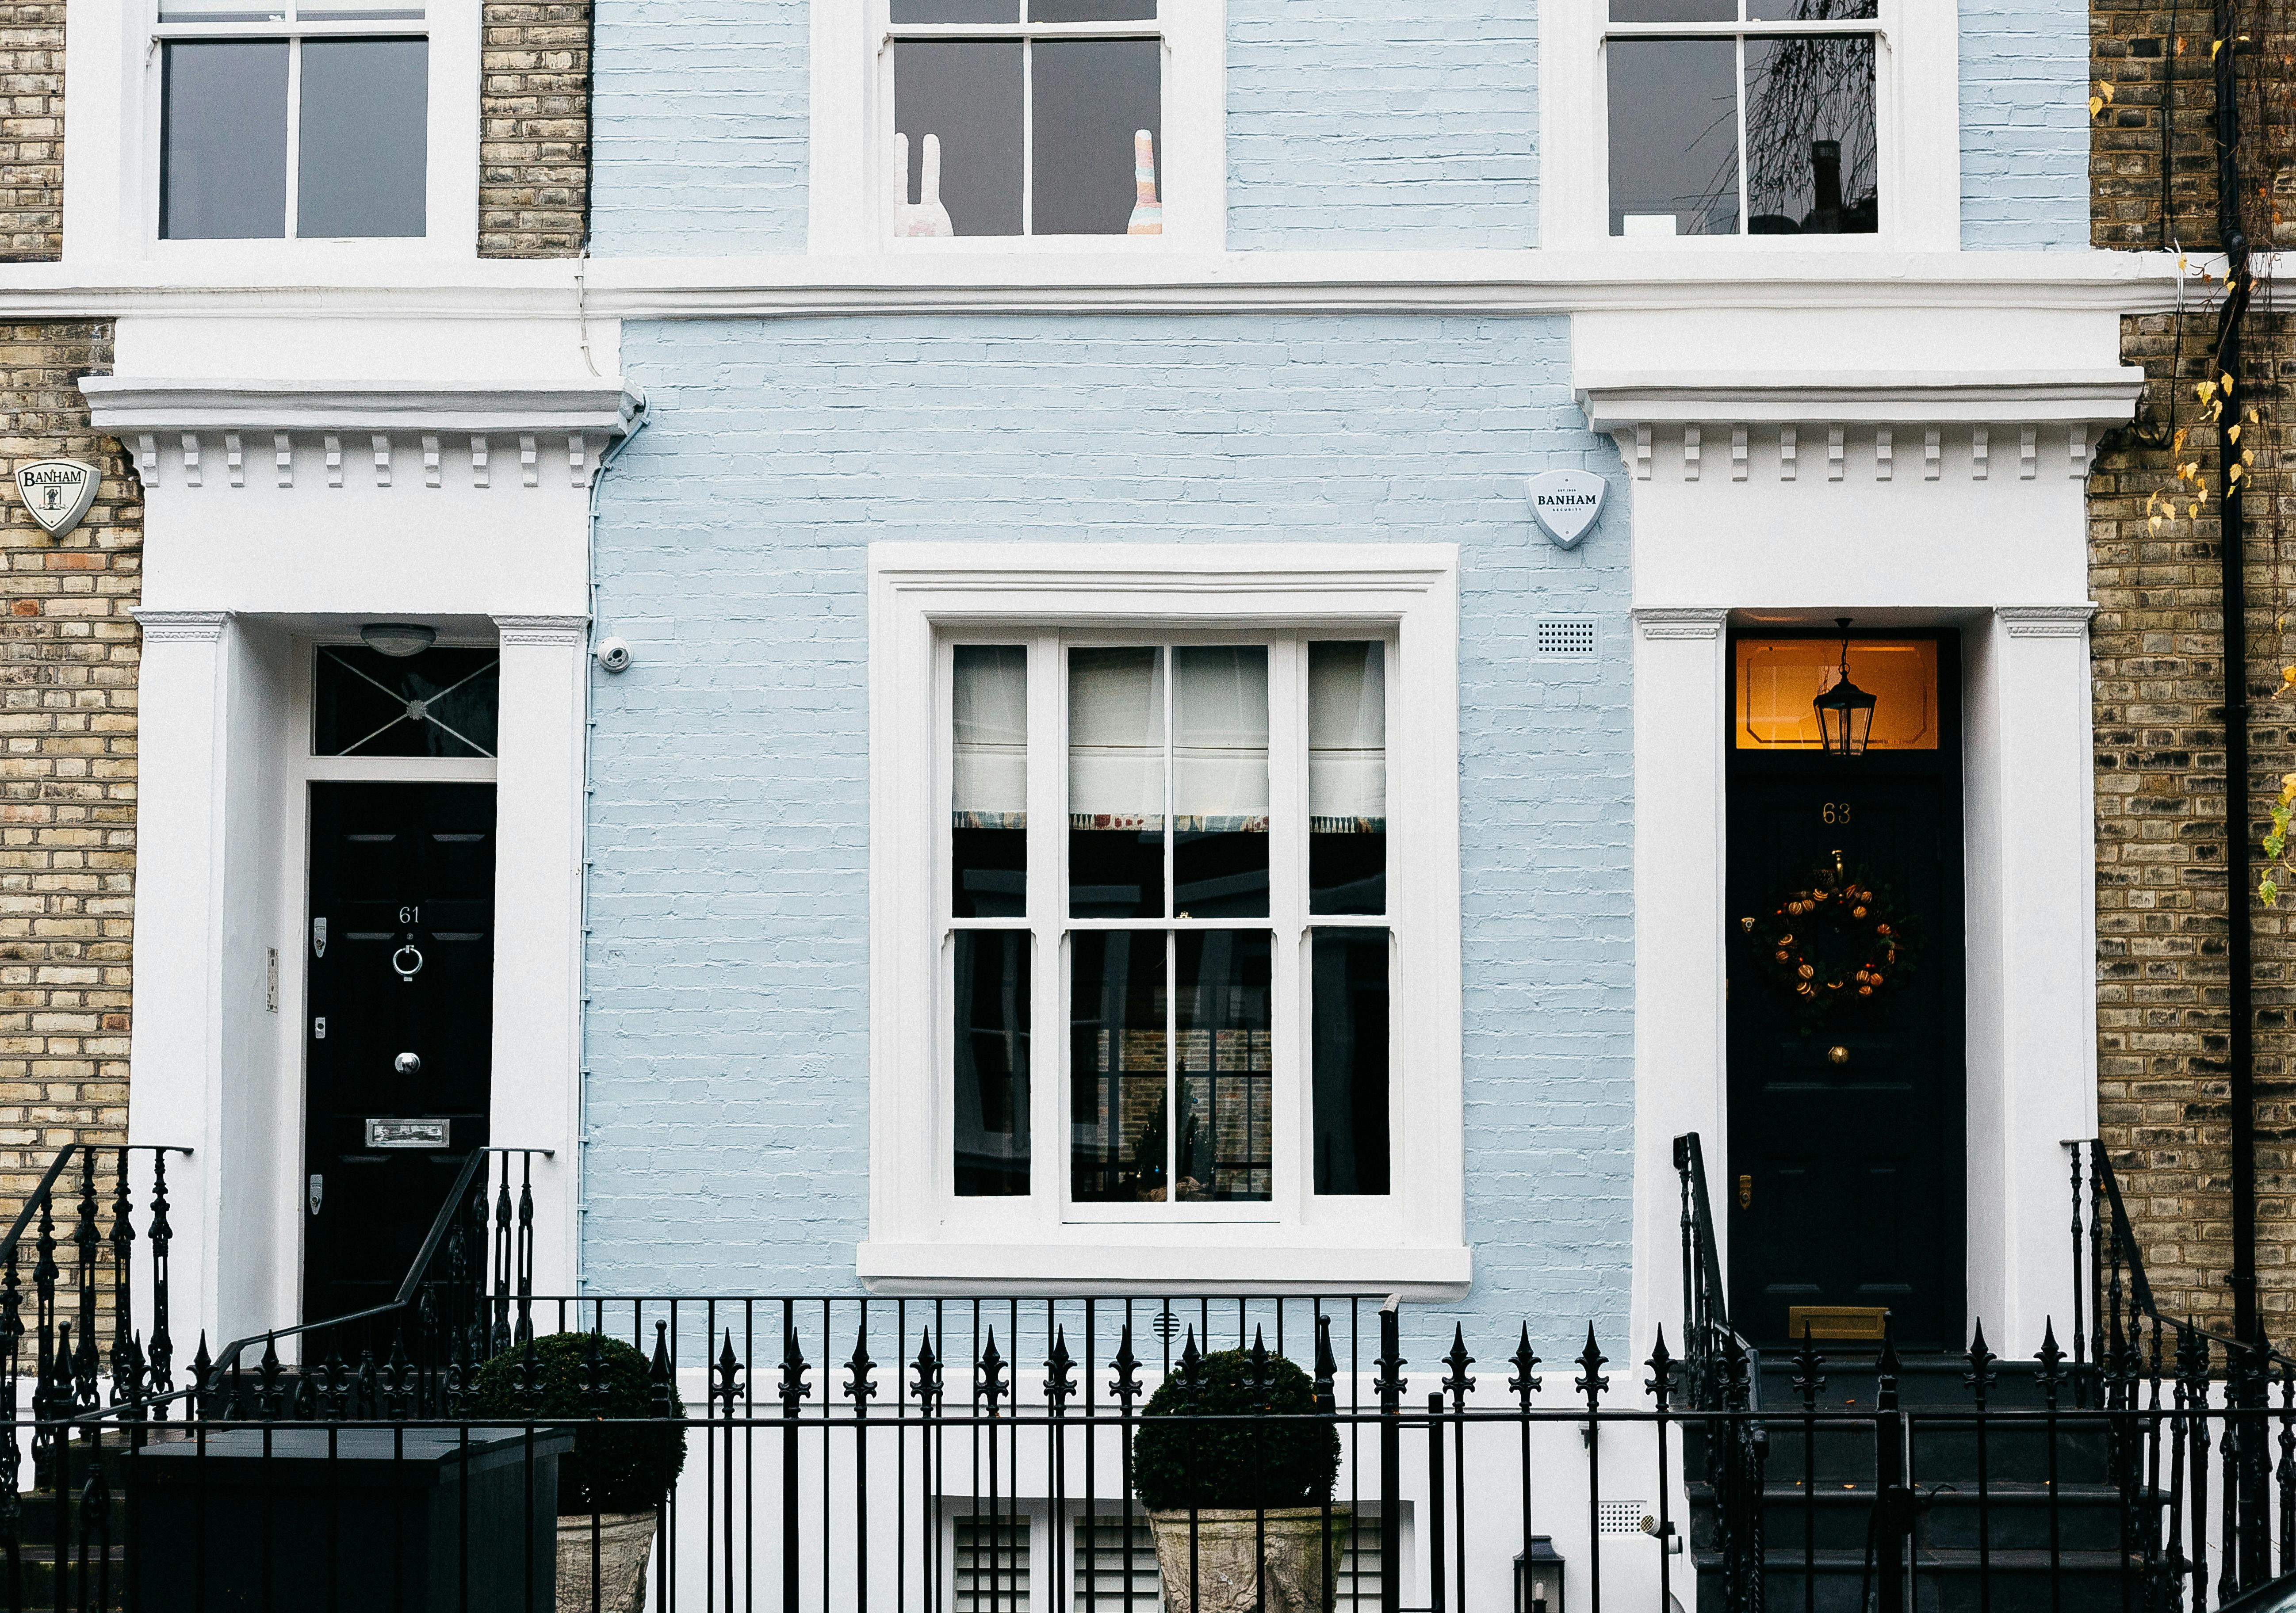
(1835, 812)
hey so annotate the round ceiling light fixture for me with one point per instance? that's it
(397, 640)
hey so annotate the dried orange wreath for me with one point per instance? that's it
(1839, 941)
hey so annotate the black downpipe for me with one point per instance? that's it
(2232, 552)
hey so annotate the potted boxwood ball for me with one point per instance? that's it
(1224, 1496)
(620, 1475)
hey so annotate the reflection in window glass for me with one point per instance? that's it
(1674, 11)
(1810, 152)
(1093, 98)
(441, 702)
(1115, 783)
(363, 142)
(223, 165)
(967, 95)
(1092, 10)
(989, 823)
(956, 10)
(1118, 1128)
(1350, 1062)
(1225, 1080)
(992, 1062)
(1219, 789)
(1347, 777)
(1812, 11)
(1674, 137)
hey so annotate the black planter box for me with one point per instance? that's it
(412, 1522)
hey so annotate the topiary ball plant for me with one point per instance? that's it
(1290, 1460)
(610, 1469)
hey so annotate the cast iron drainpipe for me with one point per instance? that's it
(2231, 554)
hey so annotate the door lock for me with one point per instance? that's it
(1745, 1192)
(318, 1191)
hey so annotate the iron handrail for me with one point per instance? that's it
(15, 1233)
(417, 1274)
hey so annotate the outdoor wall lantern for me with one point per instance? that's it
(399, 640)
(1538, 1578)
(1845, 712)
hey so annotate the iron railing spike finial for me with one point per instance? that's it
(1659, 1386)
(2051, 1356)
(1980, 1377)
(1060, 1373)
(1457, 1384)
(1526, 1381)
(1808, 1380)
(988, 1374)
(1590, 1382)
(860, 1371)
(1126, 1384)
(1327, 1365)
(926, 1370)
(1258, 1358)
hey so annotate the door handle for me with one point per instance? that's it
(317, 1191)
(1745, 1193)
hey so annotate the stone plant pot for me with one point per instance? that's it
(1227, 1559)
(624, 1542)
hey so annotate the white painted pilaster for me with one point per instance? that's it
(1681, 688)
(2032, 948)
(175, 1049)
(536, 1101)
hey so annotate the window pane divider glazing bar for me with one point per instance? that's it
(408, 27)
(1738, 98)
(922, 32)
(291, 227)
(1728, 30)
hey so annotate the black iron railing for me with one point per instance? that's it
(467, 1296)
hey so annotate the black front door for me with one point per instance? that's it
(400, 944)
(1844, 1183)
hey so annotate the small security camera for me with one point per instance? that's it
(614, 655)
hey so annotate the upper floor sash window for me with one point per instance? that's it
(307, 119)
(1744, 117)
(1026, 117)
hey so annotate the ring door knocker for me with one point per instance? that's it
(408, 961)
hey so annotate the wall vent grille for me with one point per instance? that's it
(1567, 637)
(1624, 1517)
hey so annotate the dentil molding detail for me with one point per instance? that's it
(192, 626)
(2046, 621)
(552, 630)
(1680, 621)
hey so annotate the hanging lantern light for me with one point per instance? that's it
(1845, 712)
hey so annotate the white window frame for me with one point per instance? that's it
(924, 598)
(852, 195)
(112, 187)
(1917, 130)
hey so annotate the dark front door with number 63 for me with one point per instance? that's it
(399, 946)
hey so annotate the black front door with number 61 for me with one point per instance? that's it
(399, 947)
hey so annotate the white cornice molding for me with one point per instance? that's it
(1486, 282)
(1622, 401)
(125, 404)
(1005, 572)
(1680, 621)
(2047, 621)
(550, 630)
(188, 627)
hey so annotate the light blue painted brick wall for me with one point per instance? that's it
(701, 142)
(2024, 124)
(1364, 123)
(728, 1042)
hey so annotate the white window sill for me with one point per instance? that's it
(1214, 1264)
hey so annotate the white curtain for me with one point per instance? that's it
(991, 708)
(1116, 735)
(1347, 734)
(1219, 720)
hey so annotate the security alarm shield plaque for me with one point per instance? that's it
(1566, 504)
(58, 492)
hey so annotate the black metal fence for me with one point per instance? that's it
(975, 1455)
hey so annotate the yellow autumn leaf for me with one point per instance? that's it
(2248, 457)
(2226, 383)
(2095, 106)
(2214, 47)
(2194, 513)
(2204, 389)
(2233, 434)
(2232, 472)
(2177, 447)
(2107, 89)
(2156, 523)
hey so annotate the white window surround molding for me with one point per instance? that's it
(1917, 74)
(922, 1238)
(112, 162)
(851, 121)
